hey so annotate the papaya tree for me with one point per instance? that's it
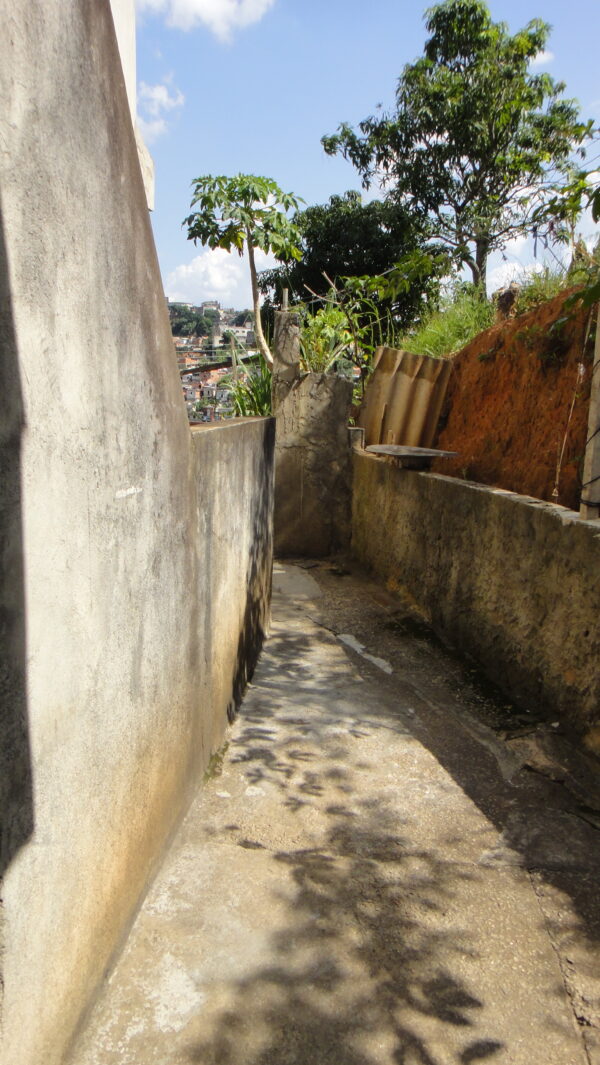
(243, 213)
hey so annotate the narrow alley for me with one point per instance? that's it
(370, 874)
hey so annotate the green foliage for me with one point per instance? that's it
(185, 321)
(235, 212)
(348, 238)
(249, 212)
(474, 135)
(323, 338)
(557, 217)
(551, 345)
(252, 396)
(556, 220)
(365, 308)
(460, 319)
(229, 339)
(539, 287)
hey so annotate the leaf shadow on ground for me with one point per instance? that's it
(364, 968)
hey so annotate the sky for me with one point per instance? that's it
(251, 86)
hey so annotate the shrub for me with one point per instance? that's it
(252, 396)
(324, 338)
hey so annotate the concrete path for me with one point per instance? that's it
(369, 876)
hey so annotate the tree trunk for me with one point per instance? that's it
(258, 330)
(481, 255)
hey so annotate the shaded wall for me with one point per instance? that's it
(135, 554)
(312, 453)
(508, 580)
(312, 467)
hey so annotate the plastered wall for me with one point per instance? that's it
(510, 581)
(135, 554)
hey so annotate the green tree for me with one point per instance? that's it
(348, 238)
(185, 321)
(556, 222)
(474, 137)
(228, 338)
(342, 238)
(249, 212)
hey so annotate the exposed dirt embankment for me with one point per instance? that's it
(519, 394)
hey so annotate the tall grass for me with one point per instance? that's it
(443, 332)
(540, 286)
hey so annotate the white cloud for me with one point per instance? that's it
(505, 272)
(223, 17)
(157, 98)
(542, 59)
(517, 245)
(151, 129)
(217, 275)
(513, 263)
(154, 102)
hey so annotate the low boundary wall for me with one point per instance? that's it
(509, 581)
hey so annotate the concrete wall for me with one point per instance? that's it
(312, 467)
(123, 13)
(508, 580)
(312, 453)
(135, 555)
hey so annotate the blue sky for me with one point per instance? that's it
(251, 85)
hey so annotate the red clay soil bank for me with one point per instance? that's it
(508, 402)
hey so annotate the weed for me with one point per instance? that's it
(553, 350)
(487, 356)
(539, 287)
(551, 344)
(253, 396)
(324, 338)
(454, 325)
(531, 336)
(215, 765)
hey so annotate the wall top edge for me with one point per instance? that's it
(233, 423)
(555, 510)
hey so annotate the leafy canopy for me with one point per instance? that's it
(474, 136)
(346, 238)
(340, 238)
(249, 212)
(185, 321)
(233, 211)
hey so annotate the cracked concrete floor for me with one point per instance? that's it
(370, 876)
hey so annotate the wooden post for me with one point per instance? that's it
(590, 495)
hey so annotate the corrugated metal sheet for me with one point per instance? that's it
(404, 397)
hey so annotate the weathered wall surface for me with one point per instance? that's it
(506, 579)
(312, 455)
(312, 467)
(135, 555)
